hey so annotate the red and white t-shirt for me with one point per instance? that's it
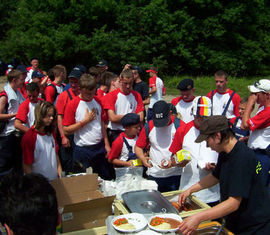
(119, 149)
(26, 112)
(51, 94)
(29, 74)
(122, 104)
(100, 93)
(260, 129)
(62, 101)
(183, 108)
(75, 111)
(158, 83)
(160, 139)
(194, 171)
(220, 100)
(39, 150)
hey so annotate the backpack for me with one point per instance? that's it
(55, 89)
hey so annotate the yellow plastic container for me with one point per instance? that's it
(137, 162)
(182, 155)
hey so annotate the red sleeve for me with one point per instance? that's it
(179, 137)
(138, 98)
(110, 100)
(142, 139)
(70, 111)
(28, 144)
(61, 103)
(232, 120)
(176, 100)
(260, 120)
(116, 148)
(23, 111)
(209, 94)
(152, 81)
(236, 101)
(50, 94)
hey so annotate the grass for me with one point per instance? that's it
(205, 84)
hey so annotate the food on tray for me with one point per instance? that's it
(164, 223)
(185, 207)
(123, 224)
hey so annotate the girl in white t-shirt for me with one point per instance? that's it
(39, 143)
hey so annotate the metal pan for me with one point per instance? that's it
(147, 202)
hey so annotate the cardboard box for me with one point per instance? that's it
(84, 206)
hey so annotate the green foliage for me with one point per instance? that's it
(194, 37)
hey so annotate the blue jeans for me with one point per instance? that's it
(167, 184)
(93, 156)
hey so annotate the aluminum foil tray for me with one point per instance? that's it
(147, 202)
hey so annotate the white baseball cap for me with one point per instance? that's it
(262, 85)
(202, 106)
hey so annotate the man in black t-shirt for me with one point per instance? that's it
(244, 199)
(140, 86)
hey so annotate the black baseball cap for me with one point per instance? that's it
(37, 74)
(185, 84)
(102, 63)
(130, 119)
(75, 74)
(161, 113)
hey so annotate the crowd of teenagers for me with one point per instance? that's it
(105, 121)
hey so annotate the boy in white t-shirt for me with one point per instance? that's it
(84, 117)
(122, 151)
(157, 90)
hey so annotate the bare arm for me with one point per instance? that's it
(224, 208)
(19, 125)
(207, 182)
(114, 117)
(140, 155)
(27, 168)
(118, 162)
(249, 108)
(59, 167)
(153, 90)
(3, 116)
(65, 140)
(105, 137)
(146, 101)
(141, 115)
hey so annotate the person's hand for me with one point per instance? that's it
(183, 163)
(165, 164)
(252, 98)
(146, 163)
(183, 196)
(189, 225)
(89, 115)
(65, 142)
(130, 163)
(127, 66)
(108, 149)
(210, 166)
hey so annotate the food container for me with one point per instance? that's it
(209, 228)
(182, 155)
(196, 205)
(147, 202)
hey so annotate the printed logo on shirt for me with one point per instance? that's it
(258, 168)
